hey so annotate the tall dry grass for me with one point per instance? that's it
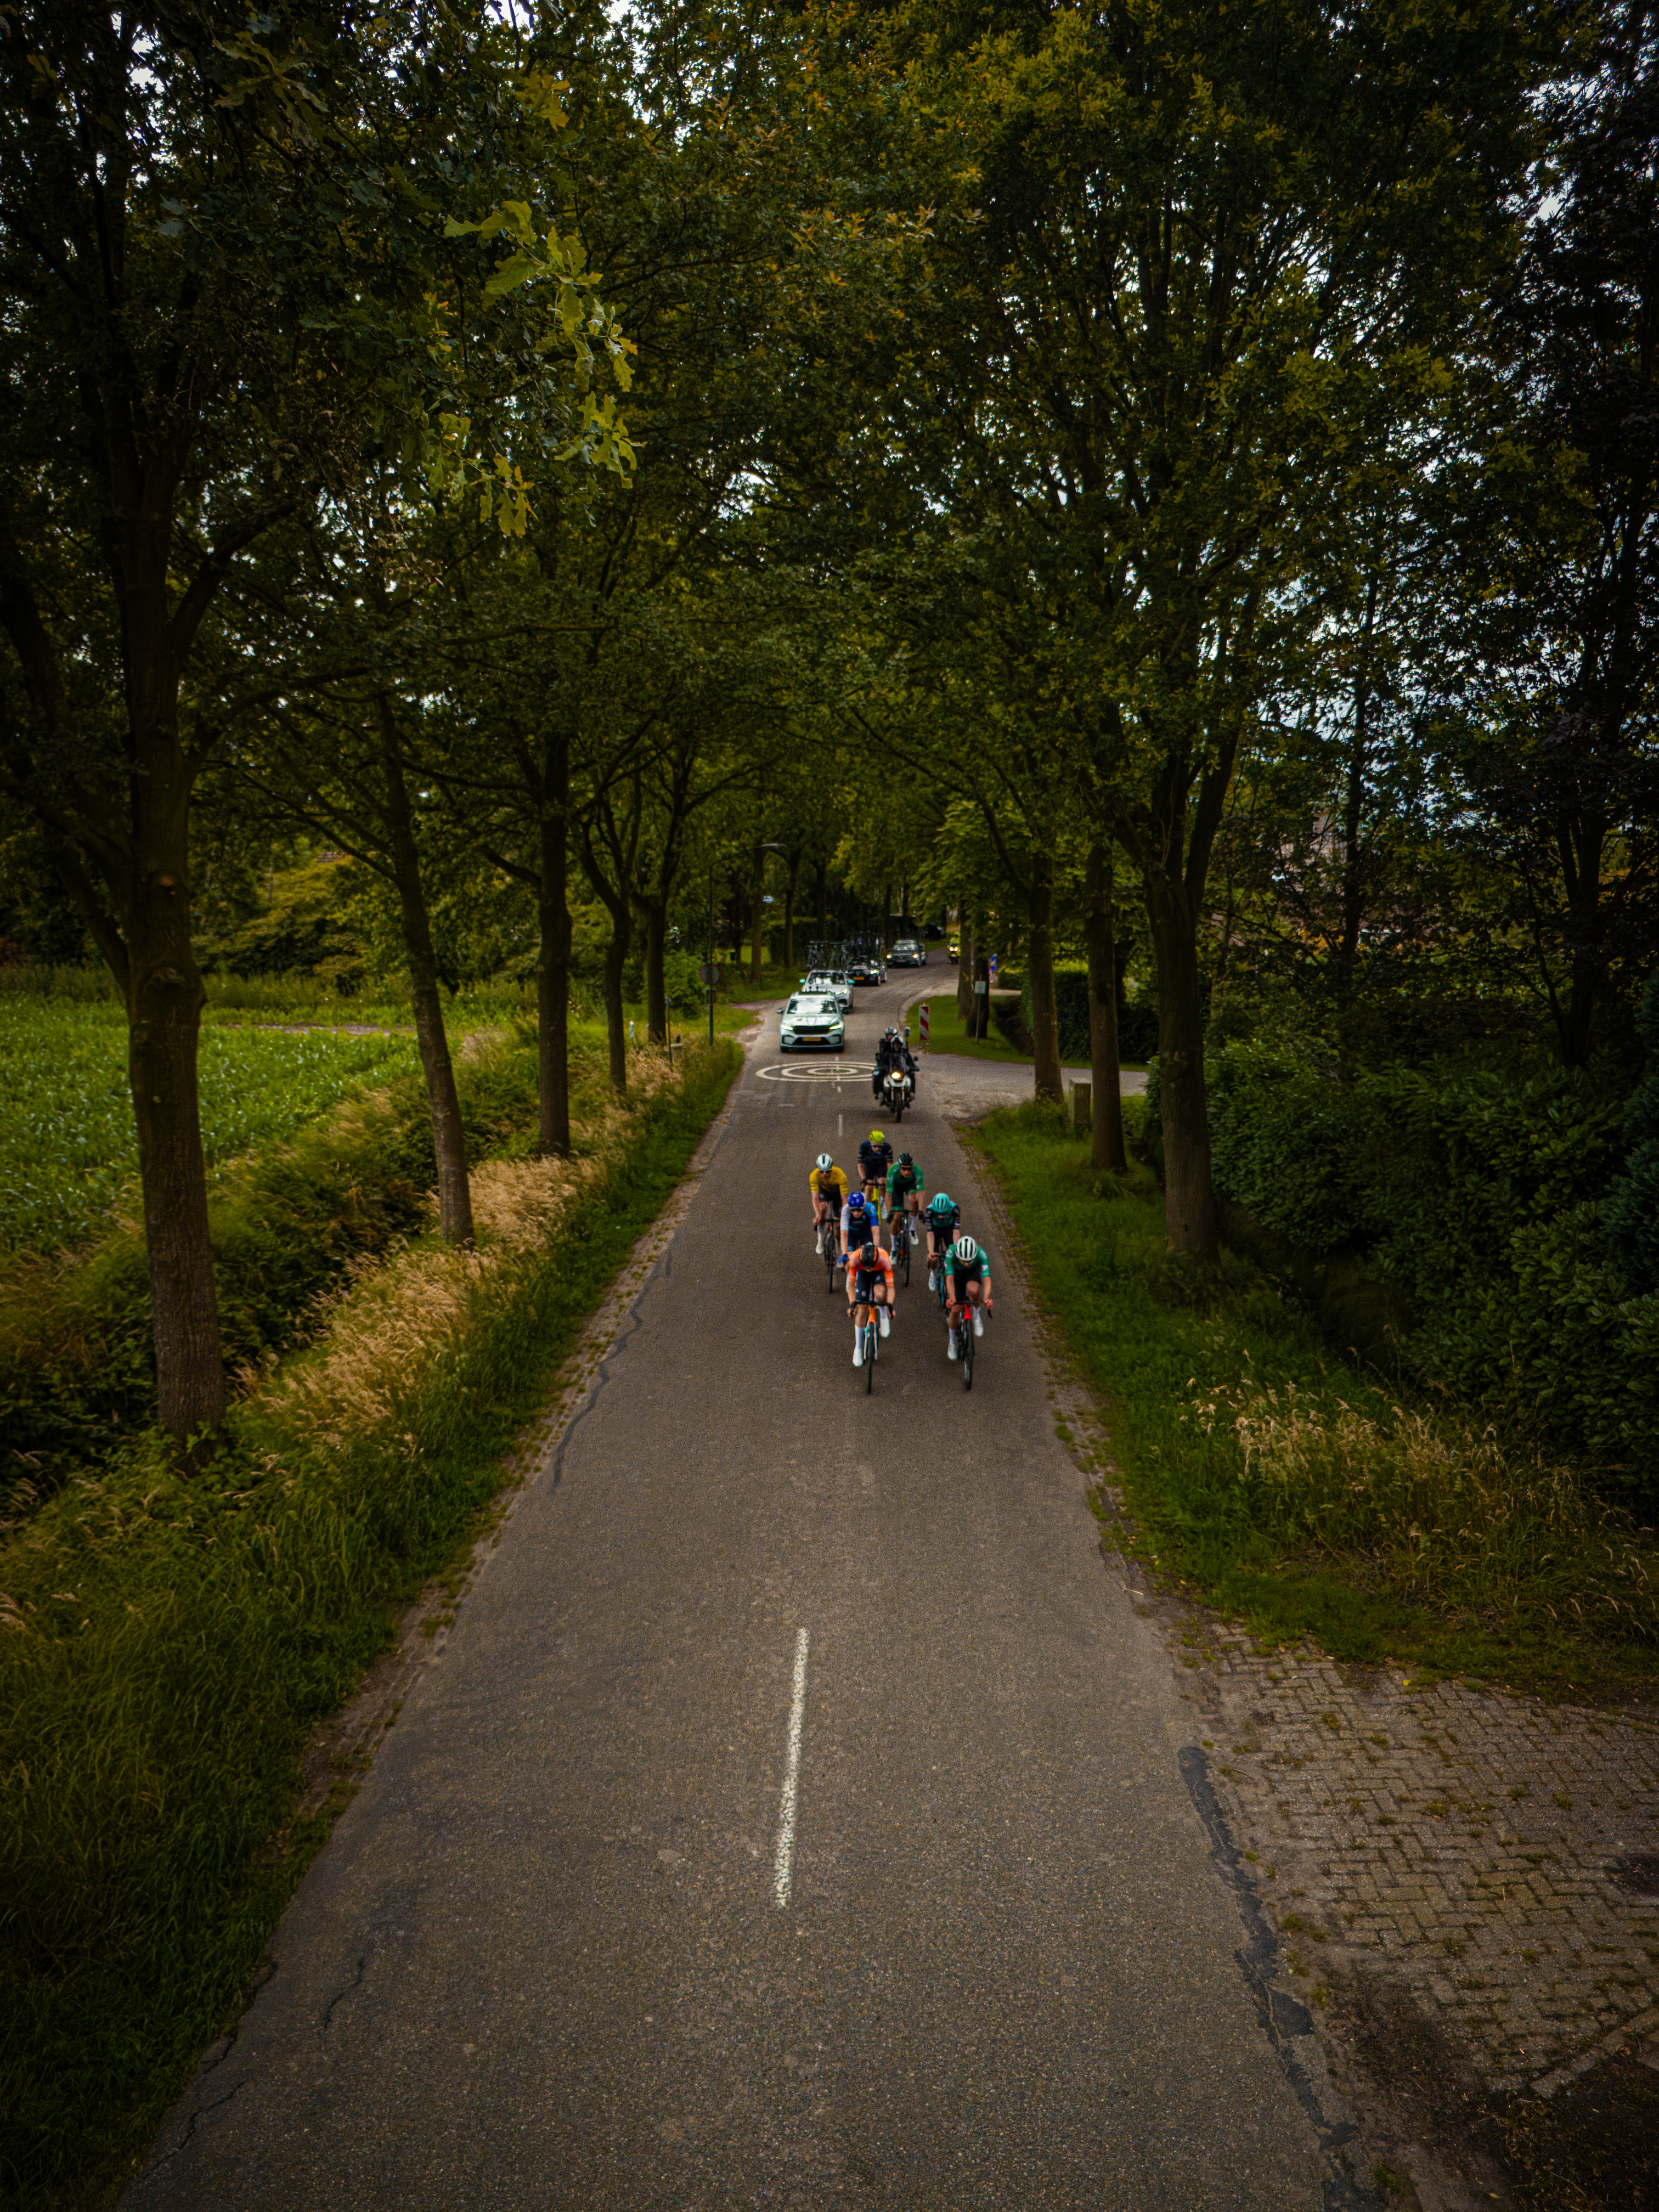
(1445, 1509)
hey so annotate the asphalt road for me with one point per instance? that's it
(554, 1955)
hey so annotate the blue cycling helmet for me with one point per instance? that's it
(941, 1202)
(857, 1203)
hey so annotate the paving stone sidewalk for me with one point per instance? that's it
(1497, 1857)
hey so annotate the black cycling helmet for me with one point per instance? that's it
(867, 1256)
(905, 1160)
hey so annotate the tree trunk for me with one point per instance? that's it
(1039, 967)
(1353, 811)
(979, 1021)
(655, 909)
(965, 970)
(553, 959)
(615, 959)
(756, 960)
(789, 914)
(165, 999)
(1575, 1022)
(823, 901)
(138, 844)
(448, 1139)
(1104, 1075)
(1189, 1210)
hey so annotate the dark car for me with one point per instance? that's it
(908, 953)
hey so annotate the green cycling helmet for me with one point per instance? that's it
(941, 1202)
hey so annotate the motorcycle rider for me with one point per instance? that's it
(891, 1052)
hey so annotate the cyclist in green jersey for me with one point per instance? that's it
(905, 1188)
(966, 1282)
(943, 1215)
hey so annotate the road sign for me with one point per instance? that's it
(921, 1018)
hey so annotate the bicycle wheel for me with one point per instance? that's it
(871, 1336)
(828, 1259)
(967, 1349)
(904, 1238)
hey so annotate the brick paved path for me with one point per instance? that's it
(1486, 1851)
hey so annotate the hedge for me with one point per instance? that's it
(1137, 1026)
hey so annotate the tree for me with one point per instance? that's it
(220, 254)
(1568, 780)
(1187, 245)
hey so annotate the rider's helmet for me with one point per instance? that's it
(825, 1164)
(867, 1256)
(941, 1202)
(856, 1205)
(905, 1160)
(965, 1249)
(876, 1137)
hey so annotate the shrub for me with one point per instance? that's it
(1137, 1026)
(1480, 1199)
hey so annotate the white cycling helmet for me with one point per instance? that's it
(965, 1249)
(825, 1164)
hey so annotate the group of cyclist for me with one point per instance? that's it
(893, 1188)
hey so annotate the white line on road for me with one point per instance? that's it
(784, 1865)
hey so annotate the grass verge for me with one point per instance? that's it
(1287, 1489)
(165, 1645)
(946, 1033)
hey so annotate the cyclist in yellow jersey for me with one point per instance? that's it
(829, 1188)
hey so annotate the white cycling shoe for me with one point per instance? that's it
(858, 1349)
(950, 1345)
(886, 1324)
(979, 1322)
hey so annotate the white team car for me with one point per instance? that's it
(811, 1022)
(831, 983)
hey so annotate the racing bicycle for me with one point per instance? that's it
(870, 1336)
(962, 1332)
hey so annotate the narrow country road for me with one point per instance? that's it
(578, 1943)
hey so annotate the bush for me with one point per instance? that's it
(1137, 1026)
(1480, 1199)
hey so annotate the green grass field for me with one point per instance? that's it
(68, 1153)
(946, 1034)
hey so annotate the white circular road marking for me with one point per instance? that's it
(830, 1069)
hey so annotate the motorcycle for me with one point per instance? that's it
(898, 1091)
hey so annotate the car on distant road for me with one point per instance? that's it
(868, 968)
(811, 1022)
(908, 953)
(831, 983)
